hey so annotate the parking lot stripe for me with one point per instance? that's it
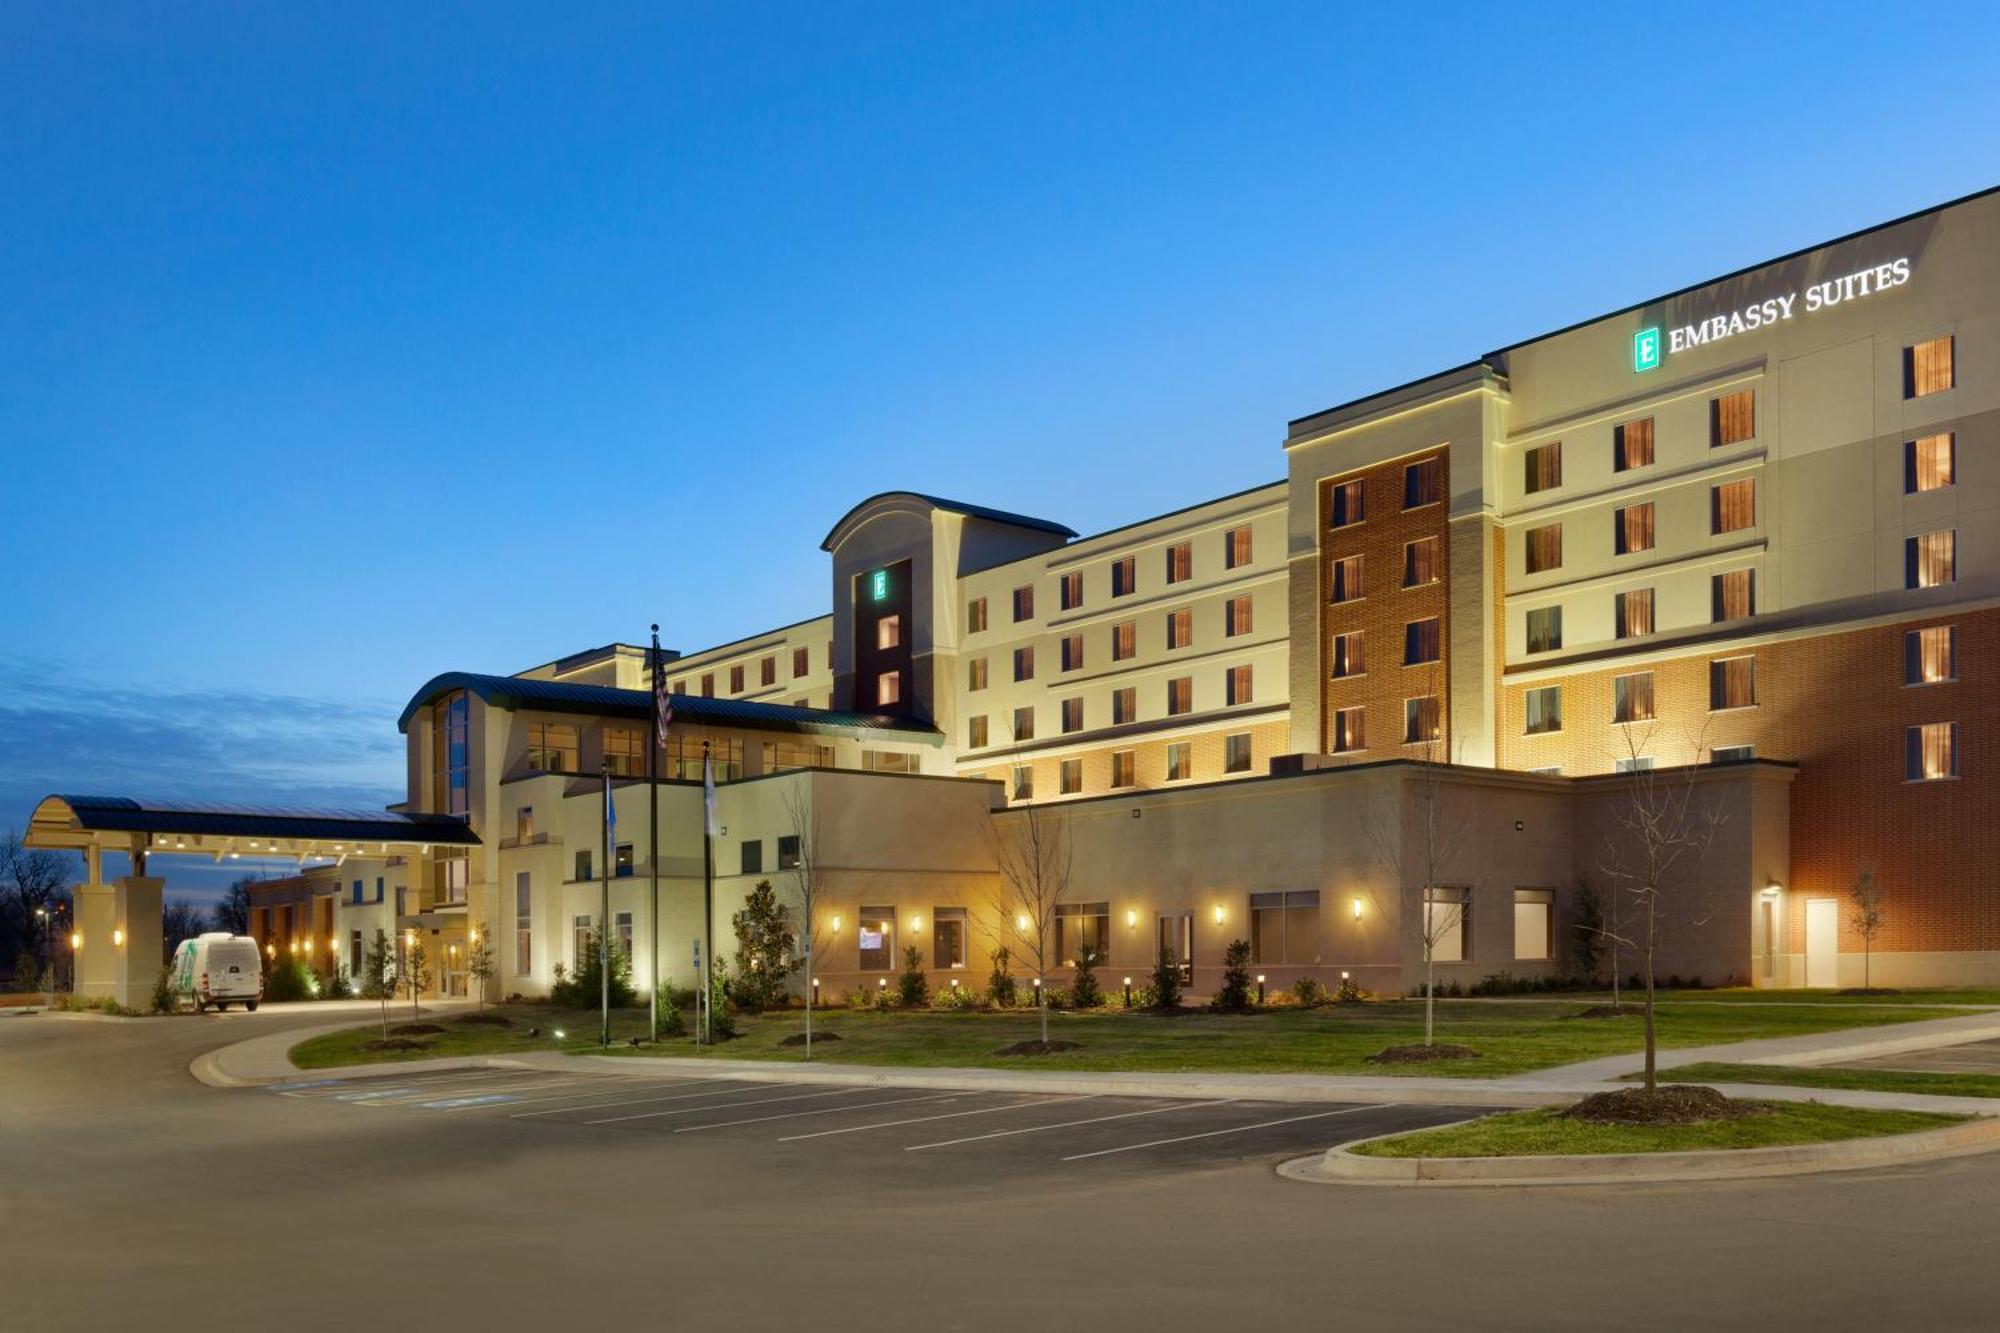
(632, 1101)
(755, 1101)
(332, 1088)
(949, 1115)
(824, 1110)
(1216, 1133)
(573, 1088)
(1070, 1124)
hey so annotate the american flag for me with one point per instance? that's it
(663, 702)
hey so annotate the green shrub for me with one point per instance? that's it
(337, 986)
(861, 997)
(1166, 981)
(1234, 997)
(913, 988)
(957, 997)
(1307, 992)
(583, 989)
(1000, 986)
(1055, 997)
(764, 957)
(1349, 992)
(1502, 983)
(1085, 992)
(288, 980)
(164, 999)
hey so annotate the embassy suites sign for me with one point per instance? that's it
(1647, 342)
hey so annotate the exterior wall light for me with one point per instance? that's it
(836, 923)
(916, 923)
(76, 939)
(118, 938)
(1218, 914)
(1357, 909)
(1131, 919)
(1021, 924)
(1773, 889)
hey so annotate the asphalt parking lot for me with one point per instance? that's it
(1004, 1134)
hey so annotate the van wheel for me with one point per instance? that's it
(250, 1005)
(222, 1006)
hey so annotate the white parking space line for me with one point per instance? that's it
(471, 1088)
(694, 1110)
(558, 1092)
(634, 1101)
(1070, 1124)
(333, 1088)
(949, 1115)
(824, 1110)
(1217, 1133)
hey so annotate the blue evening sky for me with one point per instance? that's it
(345, 344)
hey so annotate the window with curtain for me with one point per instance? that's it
(1180, 761)
(1024, 782)
(1024, 663)
(1931, 560)
(1733, 506)
(1069, 591)
(1236, 685)
(1545, 629)
(1349, 654)
(1931, 752)
(1930, 655)
(1024, 723)
(1732, 682)
(1545, 710)
(1069, 777)
(1072, 652)
(975, 623)
(1733, 594)
(1927, 367)
(1180, 695)
(1632, 697)
(1180, 562)
(1125, 576)
(1236, 617)
(1420, 720)
(1346, 584)
(1928, 463)
(1124, 640)
(1423, 483)
(1634, 613)
(1544, 467)
(1124, 705)
(1420, 562)
(1237, 752)
(1421, 642)
(975, 674)
(1632, 529)
(1632, 445)
(975, 731)
(1732, 418)
(1180, 628)
(1349, 504)
(1545, 548)
(1350, 731)
(1236, 547)
(1124, 768)
(1072, 714)
(1024, 602)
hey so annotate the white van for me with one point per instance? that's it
(220, 969)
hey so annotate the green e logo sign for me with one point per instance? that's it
(878, 586)
(1646, 349)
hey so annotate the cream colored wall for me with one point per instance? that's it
(816, 686)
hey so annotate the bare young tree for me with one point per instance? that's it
(808, 883)
(1418, 834)
(1663, 831)
(1033, 851)
(179, 920)
(232, 913)
(1868, 917)
(33, 887)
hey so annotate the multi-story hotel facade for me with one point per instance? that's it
(1741, 539)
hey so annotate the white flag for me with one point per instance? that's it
(708, 796)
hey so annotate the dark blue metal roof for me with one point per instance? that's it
(954, 507)
(124, 814)
(512, 692)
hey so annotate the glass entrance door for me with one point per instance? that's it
(1177, 934)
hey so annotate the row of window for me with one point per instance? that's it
(1422, 645)
(1928, 367)
(1237, 553)
(1423, 484)
(1423, 720)
(1237, 688)
(1347, 579)
(1237, 757)
(767, 673)
(1237, 620)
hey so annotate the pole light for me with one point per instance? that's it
(1128, 992)
(1260, 988)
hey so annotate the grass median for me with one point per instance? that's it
(1929, 1083)
(1334, 1039)
(1548, 1133)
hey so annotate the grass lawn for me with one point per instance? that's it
(1336, 1039)
(1545, 1132)
(1865, 1080)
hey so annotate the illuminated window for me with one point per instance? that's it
(1421, 642)
(1349, 504)
(1544, 466)
(1545, 710)
(888, 632)
(1350, 730)
(1632, 697)
(948, 937)
(1545, 548)
(889, 688)
(1732, 595)
(1732, 506)
(1284, 927)
(1732, 682)
(1180, 562)
(1024, 603)
(1345, 582)
(1928, 463)
(1927, 367)
(1534, 917)
(1124, 641)
(767, 671)
(736, 679)
(1024, 723)
(1545, 629)
(1422, 483)
(1930, 561)
(625, 751)
(1024, 663)
(975, 731)
(1071, 652)
(1633, 612)
(1180, 761)
(1930, 655)
(1632, 445)
(1125, 576)
(1069, 777)
(708, 684)
(1930, 752)
(975, 674)
(1069, 591)
(552, 747)
(1420, 720)
(621, 861)
(1236, 616)
(1349, 655)
(789, 851)
(1236, 548)
(1236, 752)
(801, 662)
(1024, 782)
(1180, 628)
(1124, 768)
(1072, 714)
(1081, 926)
(524, 925)
(1180, 695)
(1732, 418)
(876, 936)
(1124, 705)
(1420, 562)
(1632, 529)
(975, 616)
(1445, 913)
(1236, 685)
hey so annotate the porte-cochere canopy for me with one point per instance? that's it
(125, 824)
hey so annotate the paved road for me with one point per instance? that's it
(135, 1198)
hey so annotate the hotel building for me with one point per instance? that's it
(1740, 537)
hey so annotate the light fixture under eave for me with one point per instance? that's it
(1773, 889)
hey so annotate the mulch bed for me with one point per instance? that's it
(1038, 1047)
(1608, 1011)
(799, 1038)
(394, 1044)
(416, 1030)
(1668, 1104)
(487, 1020)
(1420, 1054)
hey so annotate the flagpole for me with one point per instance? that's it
(657, 740)
(604, 920)
(707, 891)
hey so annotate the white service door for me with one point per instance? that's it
(1822, 942)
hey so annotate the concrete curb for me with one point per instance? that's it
(1339, 1166)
